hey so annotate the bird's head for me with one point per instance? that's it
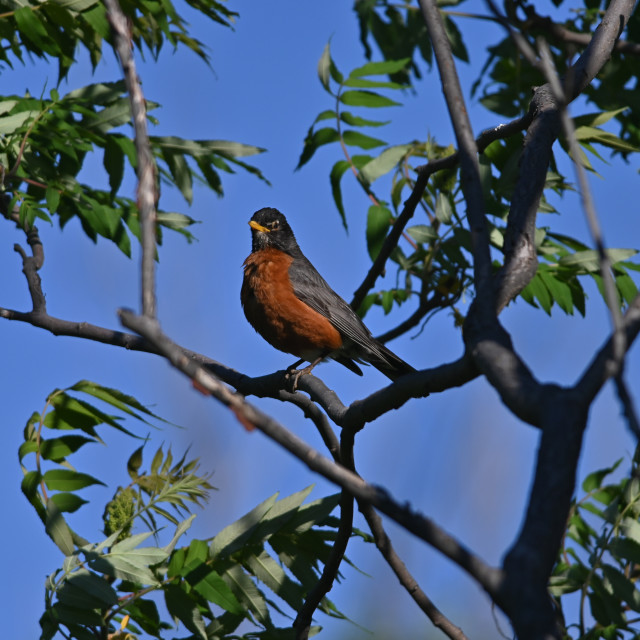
(270, 229)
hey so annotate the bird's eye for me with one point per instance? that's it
(274, 225)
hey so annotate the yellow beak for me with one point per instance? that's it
(258, 227)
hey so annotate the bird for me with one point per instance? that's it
(293, 308)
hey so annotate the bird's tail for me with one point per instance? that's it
(388, 363)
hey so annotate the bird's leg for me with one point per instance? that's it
(295, 373)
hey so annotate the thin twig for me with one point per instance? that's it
(30, 267)
(611, 295)
(468, 151)
(385, 546)
(561, 33)
(147, 193)
(302, 623)
(628, 407)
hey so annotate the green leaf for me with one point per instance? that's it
(588, 260)
(120, 566)
(384, 163)
(366, 99)
(279, 515)
(597, 119)
(270, 573)
(58, 529)
(591, 134)
(324, 67)
(627, 287)
(328, 114)
(559, 290)
(71, 413)
(623, 588)
(357, 121)
(455, 38)
(59, 448)
(314, 140)
(68, 480)
(248, 593)
(67, 502)
(113, 162)
(537, 289)
(631, 529)
(378, 222)
(32, 28)
(422, 233)
(180, 530)
(387, 301)
(185, 609)
(144, 613)
(384, 68)
(312, 513)
(213, 588)
(9, 124)
(77, 6)
(444, 210)
(176, 221)
(337, 171)
(52, 197)
(595, 478)
(181, 173)
(357, 139)
(135, 462)
(116, 398)
(362, 83)
(233, 537)
(625, 549)
(90, 590)
(126, 545)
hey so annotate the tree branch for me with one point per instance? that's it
(147, 194)
(560, 33)
(468, 153)
(30, 267)
(302, 623)
(384, 545)
(488, 577)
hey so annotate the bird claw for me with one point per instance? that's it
(293, 376)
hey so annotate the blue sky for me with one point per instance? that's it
(459, 457)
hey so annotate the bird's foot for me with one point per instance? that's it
(293, 376)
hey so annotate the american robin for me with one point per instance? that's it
(292, 307)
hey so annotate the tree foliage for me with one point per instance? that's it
(478, 238)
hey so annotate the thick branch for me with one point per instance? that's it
(530, 561)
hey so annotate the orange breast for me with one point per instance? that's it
(277, 315)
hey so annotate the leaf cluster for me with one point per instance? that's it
(45, 143)
(600, 559)
(506, 80)
(434, 260)
(57, 28)
(209, 586)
